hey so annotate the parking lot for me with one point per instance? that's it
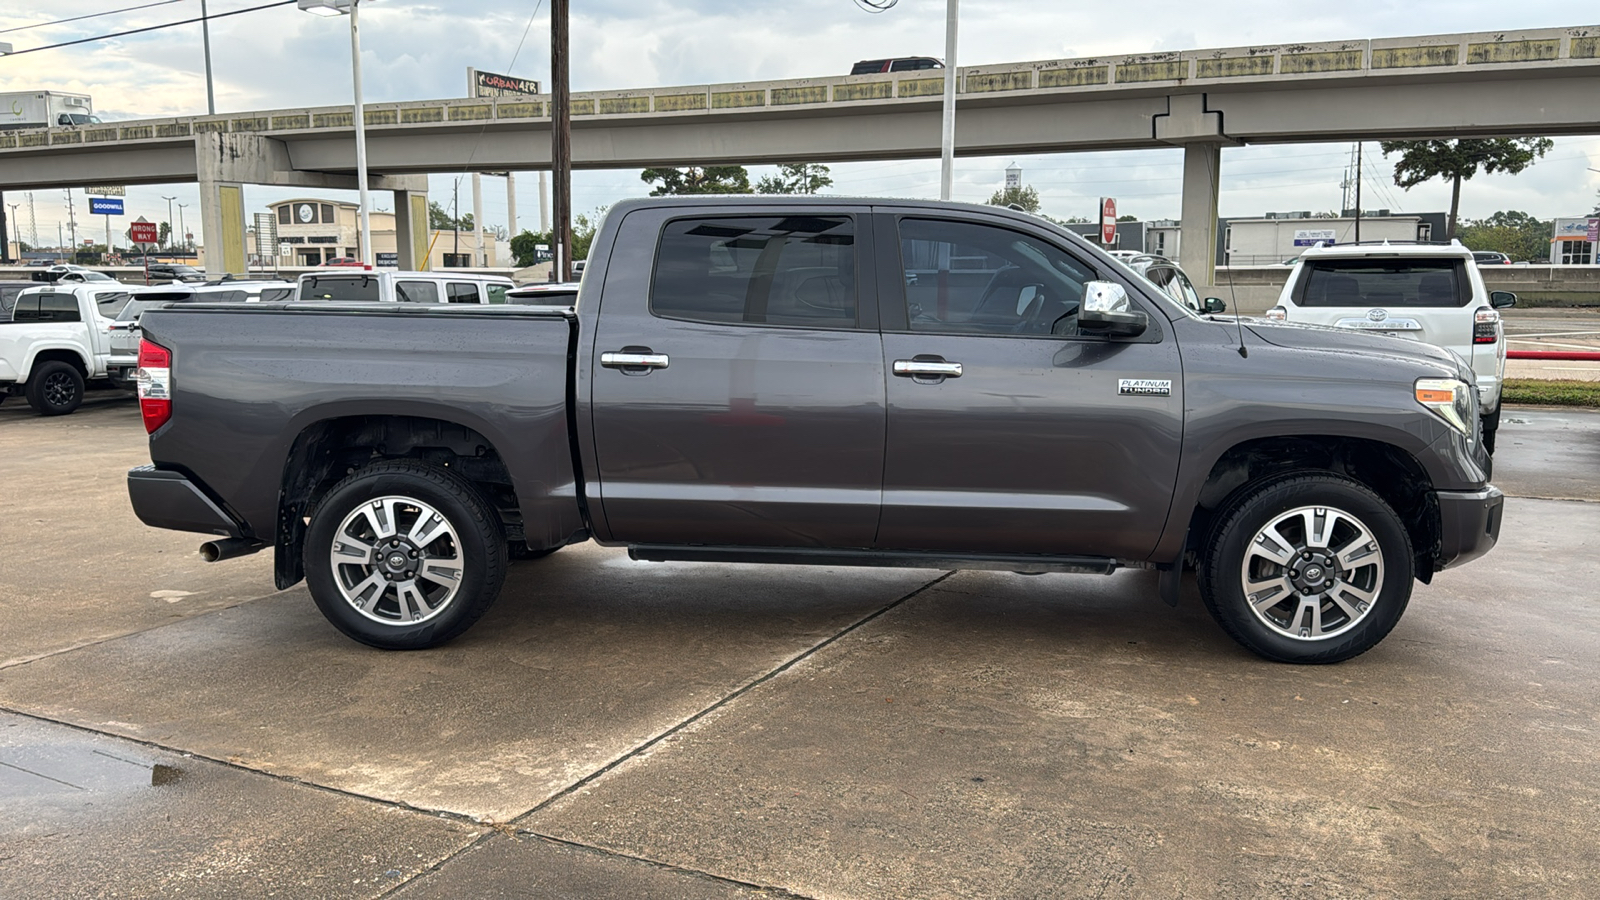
(612, 728)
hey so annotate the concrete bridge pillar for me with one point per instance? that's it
(1188, 123)
(223, 220)
(411, 228)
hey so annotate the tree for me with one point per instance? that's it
(1457, 161)
(585, 226)
(1024, 196)
(696, 180)
(439, 220)
(164, 234)
(1516, 234)
(796, 178)
(525, 247)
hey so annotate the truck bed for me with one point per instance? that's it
(251, 383)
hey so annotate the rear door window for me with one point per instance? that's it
(416, 292)
(1427, 283)
(758, 270)
(461, 292)
(497, 292)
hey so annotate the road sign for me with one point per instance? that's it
(285, 248)
(1108, 221)
(143, 232)
(104, 206)
(106, 190)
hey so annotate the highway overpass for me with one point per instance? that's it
(1539, 82)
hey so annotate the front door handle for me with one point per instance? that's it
(927, 367)
(634, 360)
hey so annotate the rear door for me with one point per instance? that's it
(738, 387)
(1038, 437)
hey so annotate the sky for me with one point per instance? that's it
(282, 57)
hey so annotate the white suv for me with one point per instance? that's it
(1424, 292)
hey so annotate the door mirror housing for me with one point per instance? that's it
(1107, 309)
(1214, 305)
(1502, 299)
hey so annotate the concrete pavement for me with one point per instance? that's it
(671, 730)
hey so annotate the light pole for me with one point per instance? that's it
(205, 37)
(339, 8)
(182, 233)
(947, 140)
(169, 221)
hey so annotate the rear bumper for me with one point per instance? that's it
(1469, 524)
(167, 499)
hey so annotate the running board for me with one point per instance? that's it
(904, 559)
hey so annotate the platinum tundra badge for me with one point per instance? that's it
(1154, 387)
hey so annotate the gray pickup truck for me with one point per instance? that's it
(820, 381)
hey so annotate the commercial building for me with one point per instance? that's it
(310, 231)
(1572, 240)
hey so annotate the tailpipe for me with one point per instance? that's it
(216, 551)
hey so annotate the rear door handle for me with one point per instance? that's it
(634, 360)
(925, 367)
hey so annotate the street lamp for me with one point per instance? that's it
(341, 8)
(182, 232)
(169, 221)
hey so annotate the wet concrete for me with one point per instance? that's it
(1549, 452)
(1003, 736)
(76, 565)
(80, 817)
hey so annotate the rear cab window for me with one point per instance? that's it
(758, 270)
(340, 288)
(47, 306)
(1437, 283)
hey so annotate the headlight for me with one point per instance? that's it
(1449, 399)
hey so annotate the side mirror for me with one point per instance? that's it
(1213, 305)
(1502, 299)
(1106, 308)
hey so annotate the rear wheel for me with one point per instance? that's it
(1311, 568)
(403, 555)
(55, 388)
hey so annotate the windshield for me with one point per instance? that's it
(1436, 283)
(345, 287)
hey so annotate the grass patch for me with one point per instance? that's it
(1541, 392)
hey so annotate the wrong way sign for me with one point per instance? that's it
(143, 232)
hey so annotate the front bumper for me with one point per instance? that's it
(167, 499)
(1469, 524)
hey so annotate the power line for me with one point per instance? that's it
(107, 37)
(109, 12)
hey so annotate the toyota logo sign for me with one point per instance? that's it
(1377, 315)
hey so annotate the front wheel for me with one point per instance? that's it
(1311, 568)
(403, 555)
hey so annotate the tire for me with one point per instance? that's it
(1491, 424)
(55, 388)
(431, 523)
(1335, 605)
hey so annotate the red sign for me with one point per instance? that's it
(1108, 221)
(142, 232)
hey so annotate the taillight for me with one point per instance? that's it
(1277, 314)
(155, 384)
(1485, 325)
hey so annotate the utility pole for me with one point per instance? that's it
(947, 141)
(72, 223)
(33, 222)
(561, 141)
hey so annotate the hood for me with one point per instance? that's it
(1346, 340)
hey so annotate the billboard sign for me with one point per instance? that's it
(1593, 232)
(105, 206)
(1310, 237)
(106, 190)
(1108, 221)
(490, 84)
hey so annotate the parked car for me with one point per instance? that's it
(1421, 292)
(344, 261)
(170, 272)
(555, 293)
(405, 287)
(73, 274)
(808, 380)
(896, 64)
(57, 343)
(1171, 280)
(126, 331)
(1490, 258)
(8, 296)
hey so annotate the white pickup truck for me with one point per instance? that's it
(57, 342)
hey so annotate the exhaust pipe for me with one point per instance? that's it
(228, 548)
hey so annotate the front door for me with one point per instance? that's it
(738, 384)
(1012, 430)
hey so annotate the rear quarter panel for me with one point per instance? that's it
(248, 380)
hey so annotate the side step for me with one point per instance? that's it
(904, 559)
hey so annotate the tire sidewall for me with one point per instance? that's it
(469, 602)
(1255, 510)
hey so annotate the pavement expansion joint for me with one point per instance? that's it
(664, 866)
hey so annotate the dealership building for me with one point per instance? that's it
(310, 231)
